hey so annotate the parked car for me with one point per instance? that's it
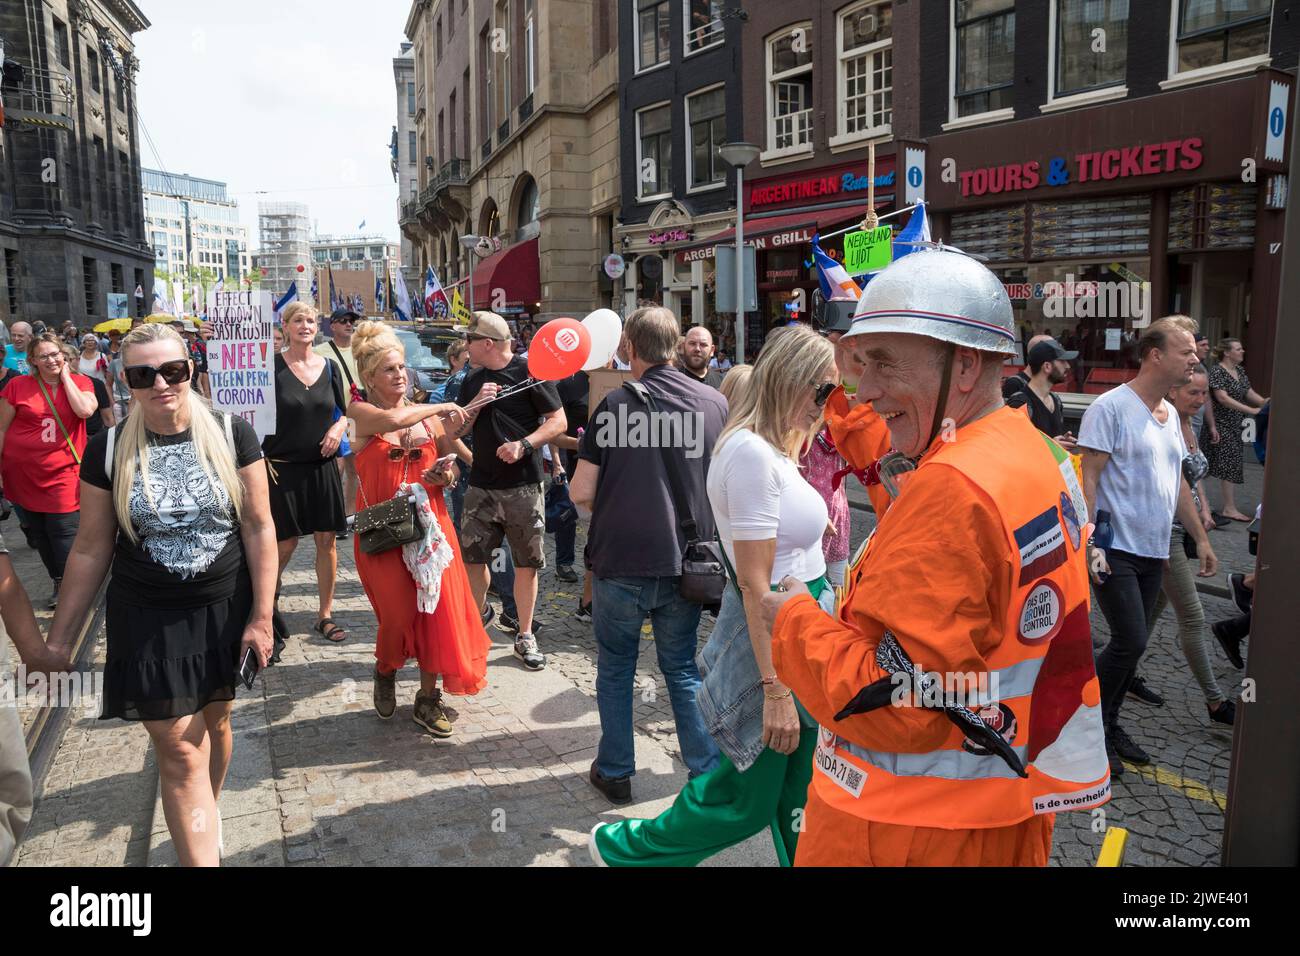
(426, 353)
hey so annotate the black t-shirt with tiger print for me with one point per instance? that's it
(189, 552)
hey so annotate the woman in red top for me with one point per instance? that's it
(438, 623)
(42, 435)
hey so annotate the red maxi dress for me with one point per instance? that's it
(450, 641)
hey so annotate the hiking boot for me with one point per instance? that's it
(1125, 746)
(1137, 688)
(566, 573)
(527, 651)
(1226, 713)
(1230, 643)
(1241, 595)
(430, 715)
(617, 792)
(385, 694)
(1116, 765)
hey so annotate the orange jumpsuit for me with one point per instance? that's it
(942, 586)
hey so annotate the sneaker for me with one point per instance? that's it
(566, 573)
(617, 792)
(1125, 746)
(592, 849)
(508, 622)
(489, 612)
(1226, 713)
(527, 651)
(1231, 645)
(584, 613)
(385, 694)
(430, 715)
(1137, 688)
(1241, 595)
(1116, 765)
(54, 597)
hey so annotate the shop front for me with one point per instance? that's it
(782, 215)
(1103, 219)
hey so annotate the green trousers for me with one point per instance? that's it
(720, 809)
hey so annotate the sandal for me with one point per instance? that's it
(327, 629)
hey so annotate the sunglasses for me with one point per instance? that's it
(822, 392)
(143, 376)
(414, 454)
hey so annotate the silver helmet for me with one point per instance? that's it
(941, 294)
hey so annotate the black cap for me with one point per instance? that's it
(1047, 351)
(340, 314)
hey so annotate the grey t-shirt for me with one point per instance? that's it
(635, 531)
(1140, 484)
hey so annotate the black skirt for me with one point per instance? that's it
(306, 497)
(172, 662)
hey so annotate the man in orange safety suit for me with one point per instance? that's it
(955, 686)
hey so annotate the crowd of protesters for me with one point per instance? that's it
(117, 467)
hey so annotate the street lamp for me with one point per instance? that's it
(469, 242)
(739, 155)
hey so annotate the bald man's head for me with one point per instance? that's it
(21, 333)
(1041, 337)
(697, 349)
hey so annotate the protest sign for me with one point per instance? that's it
(868, 250)
(241, 358)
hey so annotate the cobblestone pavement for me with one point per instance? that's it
(318, 779)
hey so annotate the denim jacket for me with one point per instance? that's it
(731, 697)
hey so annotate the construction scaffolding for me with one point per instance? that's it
(284, 235)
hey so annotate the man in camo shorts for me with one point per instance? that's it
(504, 500)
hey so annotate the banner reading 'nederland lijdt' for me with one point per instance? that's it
(241, 357)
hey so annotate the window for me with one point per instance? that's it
(318, 255)
(654, 151)
(703, 24)
(92, 67)
(376, 252)
(789, 90)
(529, 209)
(357, 253)
(61, 41)
(451, 21)
(415, 187)
(986, 44)
(530, 49)
(706, 115)
(866, 69)
(115, 271)
(120, 96)
(11, 280)
(437, 33)
(410, 99)
(451, 126)
(651, 33)
(90, 283)
(410, 148)
(1080, 66)
(502, 63)
(1211, 32)
(336, 255)
(485, 59)
(442, 155)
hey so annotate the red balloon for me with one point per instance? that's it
(558, 349)
(302, 268)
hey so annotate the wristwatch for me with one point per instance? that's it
(526, 447)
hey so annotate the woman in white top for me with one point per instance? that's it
(91, 362)
(771, 522)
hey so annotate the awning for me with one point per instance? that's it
(515, 271)
(770, 232)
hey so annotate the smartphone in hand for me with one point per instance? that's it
(248, 668)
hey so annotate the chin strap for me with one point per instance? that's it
(949, 350)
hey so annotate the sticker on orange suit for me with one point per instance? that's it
(1041, 614)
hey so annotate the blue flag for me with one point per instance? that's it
(379, 296)
(315, 290)
(401, 304)
(288, 297)
(916, 230)
(334, 298)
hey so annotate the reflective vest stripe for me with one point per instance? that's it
(948, 764)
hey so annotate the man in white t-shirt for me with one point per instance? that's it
(1133, 451)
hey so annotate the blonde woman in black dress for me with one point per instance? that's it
(1234, 401)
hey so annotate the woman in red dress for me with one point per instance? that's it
(42, 437)
(436, 622)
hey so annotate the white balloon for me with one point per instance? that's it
(606, 329)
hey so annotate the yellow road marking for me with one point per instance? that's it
(1112, 848)
(1189, 788)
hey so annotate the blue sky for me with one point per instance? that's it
(294, 97)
